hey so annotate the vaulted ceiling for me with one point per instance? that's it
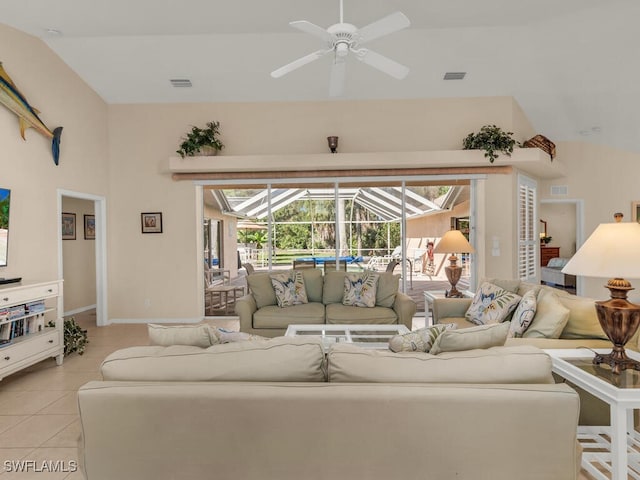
(572, 64)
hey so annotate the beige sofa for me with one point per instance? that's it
(260, 314)
(582, 328)
(281, 409)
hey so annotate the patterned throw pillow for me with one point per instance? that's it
(360, 289)
(420, 340)
(523, 316)
(222, 335)
(491, 304)
(289, 288)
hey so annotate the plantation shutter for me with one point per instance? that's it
(527, 236)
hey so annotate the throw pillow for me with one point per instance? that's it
(505, 284)
(483, 336)
(289, 288)
(420, 340)
(523, 316)
(262, 290)
(360, 289)
(583, 320)
(491, 304)
(222, 335)
(167, 335)
(551, 317)
(387, 289)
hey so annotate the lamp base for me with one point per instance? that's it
(619, 319)
(453, 273)
(617, 360)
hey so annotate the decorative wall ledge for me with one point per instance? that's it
(529, 160)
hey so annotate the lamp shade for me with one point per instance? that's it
(453, 242)
(612, 251)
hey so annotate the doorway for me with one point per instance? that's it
(97, 204)
(565, 226)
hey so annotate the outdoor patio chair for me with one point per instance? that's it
(392, 265)
(297, 264)
(330, 265)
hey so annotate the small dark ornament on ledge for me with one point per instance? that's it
(333, 144)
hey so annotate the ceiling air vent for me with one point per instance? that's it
(180, 82)
(454, 75)
(559, 190)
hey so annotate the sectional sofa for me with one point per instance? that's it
(281, 409)
(577, 327)
(260, 314)
(581, 329)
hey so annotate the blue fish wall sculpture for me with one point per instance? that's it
(11, 98)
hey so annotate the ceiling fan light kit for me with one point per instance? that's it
(342, 38)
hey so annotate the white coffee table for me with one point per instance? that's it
(622, 393)
(367, 336)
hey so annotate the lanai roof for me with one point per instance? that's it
(384, 202)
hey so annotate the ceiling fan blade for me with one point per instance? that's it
(312, 29)
(389, 24)
(338, 74)
(290, 67)
(382, 63)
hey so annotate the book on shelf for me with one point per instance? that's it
(17, 328)
(34, 324)
(35, 307)
(16, 311)
(5, 331)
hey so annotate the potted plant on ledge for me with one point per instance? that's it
(202, 141)
(491, 139)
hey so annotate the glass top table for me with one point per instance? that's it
(610, 452)
(368, 336)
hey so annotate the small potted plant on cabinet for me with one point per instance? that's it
(202, 141)
(491, 139)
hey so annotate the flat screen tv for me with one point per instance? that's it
(5, 199)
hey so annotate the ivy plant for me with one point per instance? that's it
(198, 137)
(491, 139)
(75, 338)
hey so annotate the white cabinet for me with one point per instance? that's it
(25, 312)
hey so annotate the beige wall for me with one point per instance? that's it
(143, 137)
(606, 180)
(79, 260)
(435, 225)
(121, 152)
(27, 167)
(497, 201)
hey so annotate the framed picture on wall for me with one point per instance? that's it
(151, 222)
(635, 211)
(89, 227)
(68, 226)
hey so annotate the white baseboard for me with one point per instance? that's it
(79, 310)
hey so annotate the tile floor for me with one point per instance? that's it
(39, 422)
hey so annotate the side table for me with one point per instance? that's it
(223, 291)
(609, 452)
(430, 296)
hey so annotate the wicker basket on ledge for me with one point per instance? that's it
(543, 143)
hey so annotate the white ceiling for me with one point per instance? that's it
(571, 64)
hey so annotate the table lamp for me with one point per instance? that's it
(613, 251)
(453, 242)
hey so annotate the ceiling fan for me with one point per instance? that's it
(342, 38)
